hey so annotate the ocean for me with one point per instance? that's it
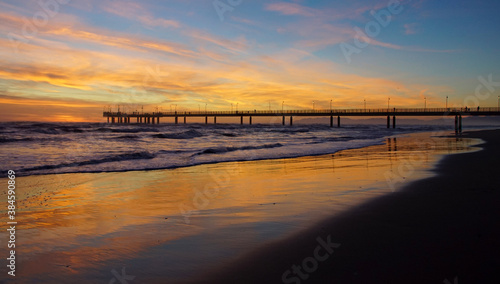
(55, 148)
(92, 200)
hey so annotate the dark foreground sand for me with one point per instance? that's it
(443, 229)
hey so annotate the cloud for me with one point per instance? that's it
(411, 29)
(411, 48)
(115, 39)
(289, 9)
(234, 46)
(71, 63)
(135, 11)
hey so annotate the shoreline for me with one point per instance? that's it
(378, 141)
(259, 202)
(433, 229)
(381, 142)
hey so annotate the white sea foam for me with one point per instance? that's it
(48, 148)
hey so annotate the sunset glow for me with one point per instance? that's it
(66, 60)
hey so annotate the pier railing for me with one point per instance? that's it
(319, 112)
(154, 117)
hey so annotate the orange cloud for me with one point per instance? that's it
(70, 70)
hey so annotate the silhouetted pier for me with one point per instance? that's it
(154, 117)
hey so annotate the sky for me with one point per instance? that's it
(68, 60)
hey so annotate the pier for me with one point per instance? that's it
(391, 114)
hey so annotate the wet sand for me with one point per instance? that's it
(173, 226)
(441, 229)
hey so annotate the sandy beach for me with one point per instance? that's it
(249, 222)
(440, 229)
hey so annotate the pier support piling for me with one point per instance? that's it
(154, 117)
(460, 123)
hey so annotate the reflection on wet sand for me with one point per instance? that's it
(79, 227)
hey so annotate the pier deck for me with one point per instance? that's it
(154, 117)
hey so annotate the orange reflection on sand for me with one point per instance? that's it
(81, 225)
